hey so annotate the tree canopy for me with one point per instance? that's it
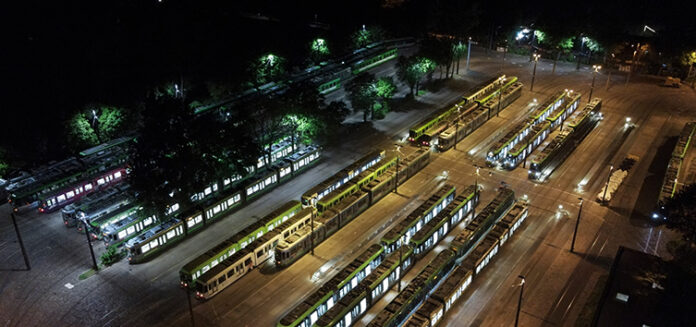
(680, 212)
(177, 155)
(411, 71)
(96, 124)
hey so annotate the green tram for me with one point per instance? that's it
(544, 110)
(307, 312)
(194, 268)
(65, 182)
(492, 90)
(669, 183)
(436, 229)
(470, 120)
(429, 128)
(442, 299)
(332, 183)
(356, 183)
(552, 155)
(571, 102)
(402, 232)
(204, 214)
(375, 278)
(377, 60)
(355, 303)
(330, 86)
(286, 247)
(684, 140)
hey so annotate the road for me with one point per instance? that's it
(558, 282)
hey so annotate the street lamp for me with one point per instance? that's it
(473, 209)
(396, 182)
(596, 69)
(468, 54)
(500, 95)
(91, 250)
(536, 59)
(604, 197)
(21, 243)
(519, 302)
(577, 222)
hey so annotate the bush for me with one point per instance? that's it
(111, 256)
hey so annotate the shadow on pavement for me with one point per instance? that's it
(650, 190)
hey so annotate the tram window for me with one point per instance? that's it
(221, 279)
(230, 273)
(260, 253)
(247, 262)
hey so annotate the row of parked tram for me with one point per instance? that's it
(314, 227)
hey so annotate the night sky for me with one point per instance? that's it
(60, 56)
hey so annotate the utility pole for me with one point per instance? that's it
(91, 250)
(519, 302)
(188, 297)
(500, 96)
(577, 222)
(396, 182)
(536, 59)
(473, 208)
(468, 54)
(21, 243)
(311, 236)
(401, 268)
(596, 69)
(604, 197)
(456, 132)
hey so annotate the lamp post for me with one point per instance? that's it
(468, 54)
(188, 297)
(500, 95)
(577, 222)
(519, 302)
(311, 234)
(604, 197)
(21, 243)
(456, 127)
(596, 69)
(396, 182)
(401, 268)
(91, 250)
(536, 59)
(473, 209)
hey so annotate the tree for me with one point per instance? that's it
(178, 154)
(266, 69)
(319, 51)
(440, 50)
(364, 36)
(4, 164)
(362, 93)
(458, 50)
(680, 211)
(411, 70)
(96, 124)
(384, 89)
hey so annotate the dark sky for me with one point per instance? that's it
(60, 55)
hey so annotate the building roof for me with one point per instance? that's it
(644, 290)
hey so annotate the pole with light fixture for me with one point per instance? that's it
(596, 69)
(536, 59)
